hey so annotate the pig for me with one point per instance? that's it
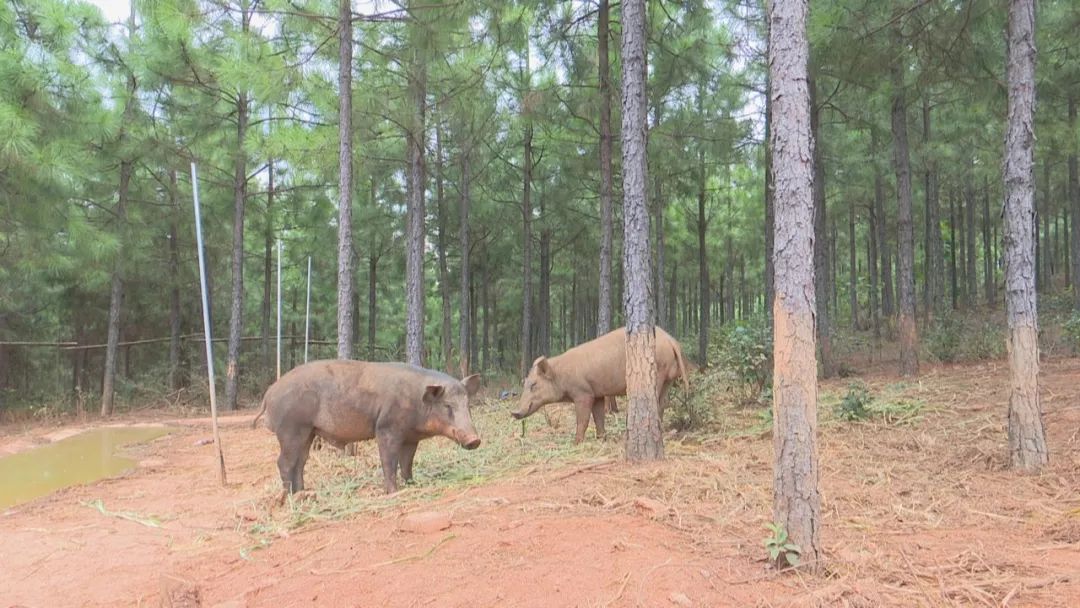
(591, 373)
(345, 401)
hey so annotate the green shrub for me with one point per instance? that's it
(943, 339)
(1071, 329)
(854, 404)
(742, 352)
(954, 338)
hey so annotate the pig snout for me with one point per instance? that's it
(467, 439)
(519, 415)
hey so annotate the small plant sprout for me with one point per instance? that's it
(781, 552)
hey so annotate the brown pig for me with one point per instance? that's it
(593, 371)
(345, 401)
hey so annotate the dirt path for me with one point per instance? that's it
(916, 512)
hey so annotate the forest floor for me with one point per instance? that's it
(917, 511)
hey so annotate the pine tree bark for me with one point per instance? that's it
(644, 433)
(543, 333)
(935, 249)
(821, 240)
(971, 274)
(796, 501)
(116, 289)
(1027, 437)
(446, 338)
(345, 176)
(853, 277)
(268, 274)
(526, 256)
(770, 212)
(909, 355)
(988, 257)
(659, 206)
(953, 283)
(1074, 205)
(603, 317)
(414, 233)
(175, 318)
(883, 241)
(467, 310)
(236, 310)
(704, 304)
(872, 262)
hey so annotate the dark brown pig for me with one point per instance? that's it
(593, 371)
(346, 401)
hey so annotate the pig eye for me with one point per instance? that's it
(449, 411)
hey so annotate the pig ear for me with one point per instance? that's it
(472, 384)
(433, 393)
(544, 369)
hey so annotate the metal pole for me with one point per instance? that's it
(307, 310)
(279, 309)
(206, 323)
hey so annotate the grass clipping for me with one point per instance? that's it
(343, 486)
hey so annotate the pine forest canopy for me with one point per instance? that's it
(482, 121)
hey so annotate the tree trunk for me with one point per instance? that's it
(175, 380)
(236, 311)
(988, 257)
(934, 247)
(644, 432)
(770, 213)
(543, 334)
(821, 239)
(954, 287)
(1074, 205)
(796, 501)
(703, 267)
(909, 354)
(1027, 437)
(883, 241)
(526, 256)
(372, 303)
(116, 290)
(972, 279)
(268, 275)
(414, 232)
(603, 320)
(659, 206)
(465, 320)
(446, 338)
(484, 284)
(853, 278)
(872, 262)
(345, 175)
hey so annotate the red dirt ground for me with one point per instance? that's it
(914, 514)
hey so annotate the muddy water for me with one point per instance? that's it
(84, 458)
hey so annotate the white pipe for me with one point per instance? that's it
(206, 322)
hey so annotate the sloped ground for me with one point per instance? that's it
(918, 511)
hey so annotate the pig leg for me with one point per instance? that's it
(598, 410)
(662, 399)
(295, 444)
(408, 451)
(389, 454)
(582, 408)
